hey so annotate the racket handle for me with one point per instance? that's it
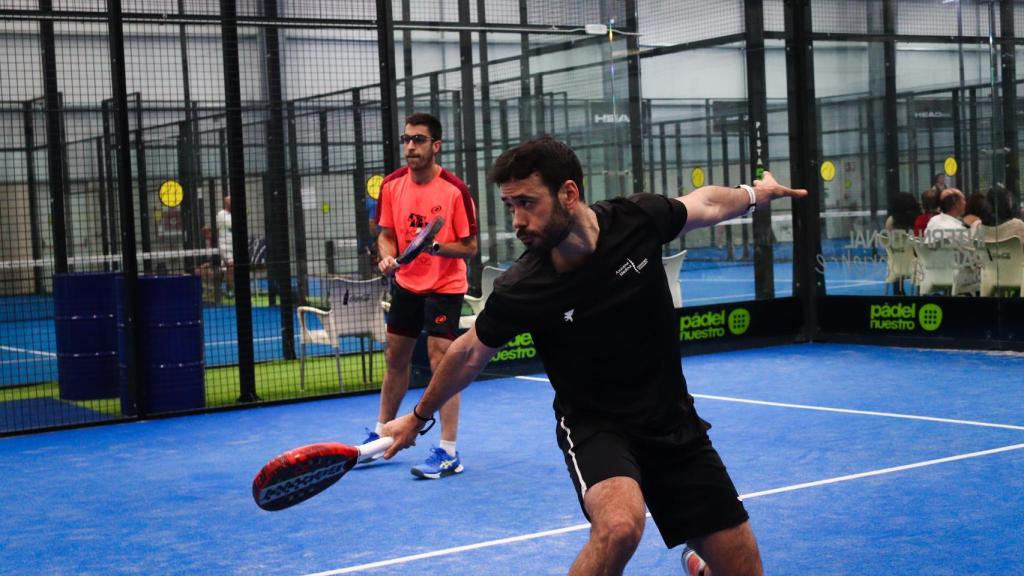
(377, 446)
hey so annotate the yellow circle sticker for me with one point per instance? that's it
(828, 171)
(373, 186)
(697, 177)
(171, 194)
(950, 166)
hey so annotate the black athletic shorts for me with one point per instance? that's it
(412, 313)
(686, 487)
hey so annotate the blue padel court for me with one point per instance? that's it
(850, 459)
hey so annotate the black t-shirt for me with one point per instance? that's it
(607, 332)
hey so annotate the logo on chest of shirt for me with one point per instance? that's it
(630, 266)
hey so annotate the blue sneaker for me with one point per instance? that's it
(438, 464)
(370, 437)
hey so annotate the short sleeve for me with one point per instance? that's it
(668, 215)
(499, 322)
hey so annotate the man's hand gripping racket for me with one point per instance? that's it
(422, 241)
(299, 474)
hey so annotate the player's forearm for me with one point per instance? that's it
(464, 360)
(387, 244)
(710, 205)
(464, 248)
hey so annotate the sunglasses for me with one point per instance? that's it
(417, 138)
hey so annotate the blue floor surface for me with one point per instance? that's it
(851, 459)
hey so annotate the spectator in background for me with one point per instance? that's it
(903, 212)
(224, 244)
(952, 205)
(929, 208)
(977, 211)
(1005, 211)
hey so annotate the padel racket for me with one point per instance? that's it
(299, 474)
(423, 239)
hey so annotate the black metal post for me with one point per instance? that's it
(488, 135)
(808, 267)
(239, 215)
(410, 89)
(469, 142)
(363, 260)
(136, 392)
(33, 201)
(140, 162)
(525, 102)
(636, 133)
(298, 215)
(757, 129)
(889, 112)
(104, 180)
(388, 94)
(1008, 55)
(278, 240)
(55, 152)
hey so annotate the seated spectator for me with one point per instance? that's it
(977, 211)
(948, 222)
(1004, 211)
(929, 208)
(903, 212)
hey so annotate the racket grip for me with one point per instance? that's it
(377, 446)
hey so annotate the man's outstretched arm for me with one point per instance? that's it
(709, 205)
(463, 361)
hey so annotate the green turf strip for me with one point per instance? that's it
(278, 380)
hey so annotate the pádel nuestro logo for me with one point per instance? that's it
(904, 317)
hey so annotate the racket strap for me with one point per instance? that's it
(429, 421)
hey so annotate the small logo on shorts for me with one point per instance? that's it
(441, 319)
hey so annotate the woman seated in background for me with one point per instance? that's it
(903, 210)
(977, 211)
(1005, 212)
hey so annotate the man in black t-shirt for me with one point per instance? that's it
(591, 290)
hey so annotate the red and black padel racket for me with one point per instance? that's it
(299, 474)
(423, 239)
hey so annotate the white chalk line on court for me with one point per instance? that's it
(28, 351)
(578, 527)
(783, 489)
(860, 412)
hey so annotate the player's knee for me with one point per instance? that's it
(620, 532)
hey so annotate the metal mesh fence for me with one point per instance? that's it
(291, 119)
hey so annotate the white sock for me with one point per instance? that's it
(448, 447)
(378, 428)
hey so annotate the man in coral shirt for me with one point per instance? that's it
(427, 293)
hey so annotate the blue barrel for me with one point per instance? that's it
(85, 321)
(170, 346)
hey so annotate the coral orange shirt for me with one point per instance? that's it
(406, 206)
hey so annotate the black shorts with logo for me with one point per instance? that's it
(412, 313)
(686, 486)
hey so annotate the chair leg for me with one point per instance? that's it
(337, 364)
(302, 367)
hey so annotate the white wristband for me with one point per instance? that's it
(753, 199)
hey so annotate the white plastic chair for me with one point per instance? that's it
(946, 266)
(487, 278)
(1002, 266)
(355, 311)
(899, 256)
(673, 264)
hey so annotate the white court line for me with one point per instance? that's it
(578, 527)
(861, 412)
(783, 489)
(27, 351)
(837, 410)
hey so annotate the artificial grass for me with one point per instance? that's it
(278, 380)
